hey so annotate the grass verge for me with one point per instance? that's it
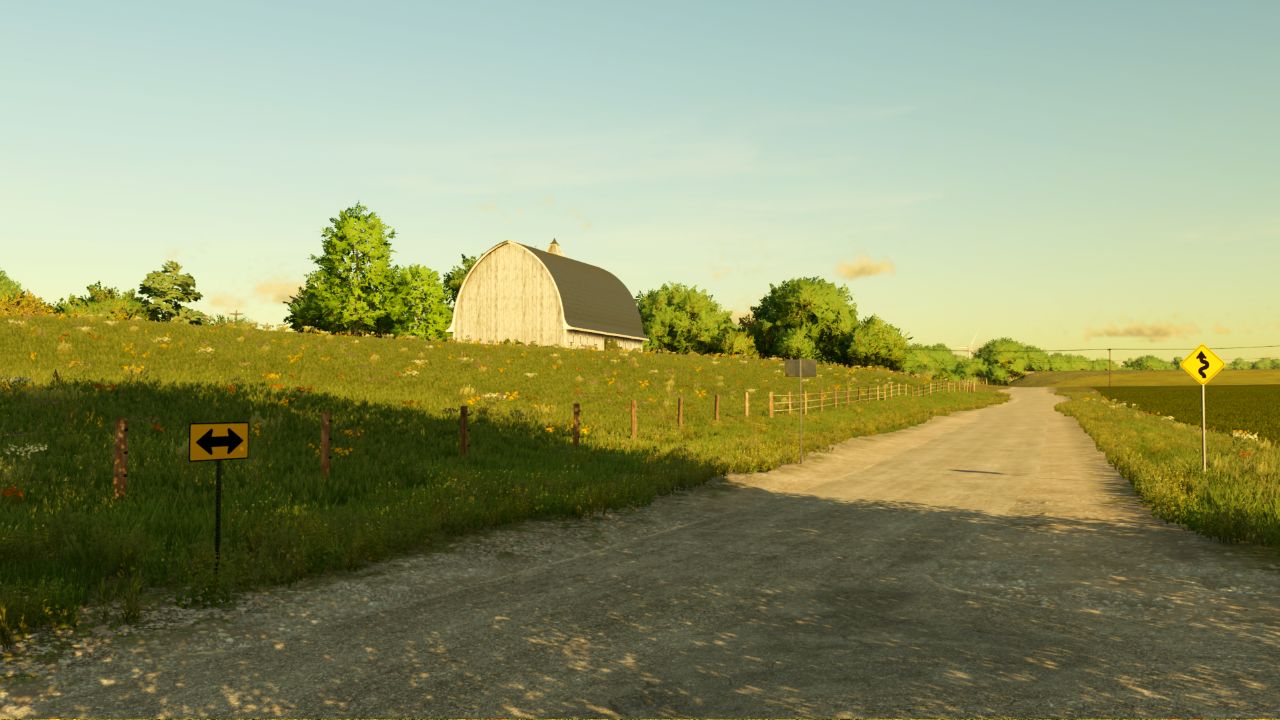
(1237, 500)
(397, 482)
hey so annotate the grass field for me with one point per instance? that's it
(1238, 499)
(397, 481)
(1251, 408)
(1130, 378)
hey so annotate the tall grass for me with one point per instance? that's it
(397, 481)
(1238, 499)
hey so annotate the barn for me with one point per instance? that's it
(519, 293)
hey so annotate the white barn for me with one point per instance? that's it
(515, 292)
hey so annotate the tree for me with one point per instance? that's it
(684, 319)
(876, 342)
(937, 361)
(1147, 362)
(453, 279)
(804, 317)
(165, 290)
(8, 286)
(349, 289)
(23, 303)
(103, 301)
(1007, 359)
(416, 305)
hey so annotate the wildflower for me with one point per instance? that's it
(1245, 435)
(551, 428)
(419, 362)
(271, 376)
(75, 363)
(13, 492)
(204, 349)
(33, 355)
(17, 322)
(160, 339)
(81, 328)
(466, 390)
(231, 389)
(585, 430)
(25, 451)
(135, 369)
(295, 358)
(513, 395)
(529, 375)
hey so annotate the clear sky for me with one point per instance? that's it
(1072, 174)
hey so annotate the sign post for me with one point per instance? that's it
(1203, 365)
(218, 442)
(800, 368)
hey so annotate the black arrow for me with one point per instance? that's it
(1204, 365)
(230, 441)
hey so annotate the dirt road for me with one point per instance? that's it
(987, 562)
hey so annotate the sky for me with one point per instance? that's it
(1069, 174)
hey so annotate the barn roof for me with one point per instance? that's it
(593, 298)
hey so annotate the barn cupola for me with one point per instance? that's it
(554, 248)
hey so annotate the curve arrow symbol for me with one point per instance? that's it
(1204, 365)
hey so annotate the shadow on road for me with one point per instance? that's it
(731, 601)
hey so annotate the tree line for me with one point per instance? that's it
(356, 289)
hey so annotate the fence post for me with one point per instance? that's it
(462, 431)
(120, 478)
(577, 423)
(717, 410)
(746, 403)
(634, 428)
(680, 412)
(324, 443)
(770, 403)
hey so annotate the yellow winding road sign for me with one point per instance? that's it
(1202, 364)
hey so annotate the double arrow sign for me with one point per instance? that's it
(219, 441)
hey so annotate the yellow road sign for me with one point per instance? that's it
(219, 441)
(1202, 365)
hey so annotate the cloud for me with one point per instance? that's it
(276, 290)
(1152, 332)
(1222, 329)
(226, 301)
(863, 266)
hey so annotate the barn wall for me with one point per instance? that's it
(577, 338)
(509, 296)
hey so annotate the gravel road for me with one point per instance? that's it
(988, 562)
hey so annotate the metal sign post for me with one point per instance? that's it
(1203, 365)
(801, 369)
(218, 442)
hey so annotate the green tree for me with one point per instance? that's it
(8, 286)
(348, 292)
(936, 361)
(102, 301)
(165, 290)
(1147, 362)
(804, 317)
(453, 279)
(877, 343)
(417, 304)
(1007, 359)
(684, 319)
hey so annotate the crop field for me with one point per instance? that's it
(397, 482)
(1250, 408)
(1144, 378)
(1238, 499)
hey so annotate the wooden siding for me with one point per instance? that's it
(578, 338)
(509, 295)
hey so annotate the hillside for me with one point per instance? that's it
(397, 481)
